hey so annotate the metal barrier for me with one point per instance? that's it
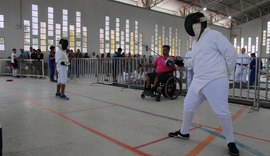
(120, 71)
(256, 94)
(26, 68)
(127, 72)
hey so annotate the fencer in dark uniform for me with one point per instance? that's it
(210, 49)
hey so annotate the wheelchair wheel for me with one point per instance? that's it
(142, 95)
(173, 87)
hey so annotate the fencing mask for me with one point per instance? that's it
(63, 44)
(195, 24)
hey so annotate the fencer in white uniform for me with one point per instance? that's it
(242, 63)
(62, 63)
(213, 58)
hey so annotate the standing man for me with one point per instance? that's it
(255, 68)
(14, 63)
(52, 63)
(62, 64)
(242, 63)
(210, 49)
(115, 64)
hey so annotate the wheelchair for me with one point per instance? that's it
(170, 88)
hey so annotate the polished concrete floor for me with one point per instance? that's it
(102, 120)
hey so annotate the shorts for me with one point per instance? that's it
(162, 77)
(62, 76)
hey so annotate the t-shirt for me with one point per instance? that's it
(161, 66)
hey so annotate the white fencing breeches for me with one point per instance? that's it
(216, 93)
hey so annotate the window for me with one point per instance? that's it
(170, 36)
(140, 45)
(84, 44)
(136, 36)
(152, 44)
(57, 33)
(35, 27)
(264, 38)
(173, 47)
(267, 45)
(127, 36)
(131, 43)
(72, 37)
(65, 23)
(268, 29)
(50, 21)
(117, 30)
(2, 21)
(242, 42)
(50, 43)
(2, 43)
(235, 42)
(107, 28)
(176, 43)
(27, 33)
(112, 40)
(249, 45)
(35, 43)
(159, 46)
(253, 48)
(43, 37)
(78, 26)
(122, 39)
(156, 39)
(257, 44)
(163, 35)
(101, 41)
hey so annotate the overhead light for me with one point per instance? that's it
(230, 17)
(204, 8)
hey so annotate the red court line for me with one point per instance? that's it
(104, 136)
(87, 109)
(203, 144)
(170, 118)
(159, 140)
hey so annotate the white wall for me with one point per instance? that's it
(93, 16)
(252, 29)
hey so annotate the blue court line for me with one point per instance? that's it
(245, 147)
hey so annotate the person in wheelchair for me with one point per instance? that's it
(164, 70)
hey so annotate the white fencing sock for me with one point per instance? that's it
(187, 120)
(226, 124)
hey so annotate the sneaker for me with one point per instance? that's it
(53, 80)
(178, 134)
(57, 94)
(63, 96)
(233, 151)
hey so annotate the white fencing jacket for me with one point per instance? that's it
(61, 56)
(214, 57)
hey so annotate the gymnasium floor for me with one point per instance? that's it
(102, 120)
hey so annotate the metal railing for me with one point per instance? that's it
(128, 72)
(26, 68)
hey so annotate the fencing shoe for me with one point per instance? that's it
(178, 134)
(63, 96)
(233, 151)
(57, 94)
